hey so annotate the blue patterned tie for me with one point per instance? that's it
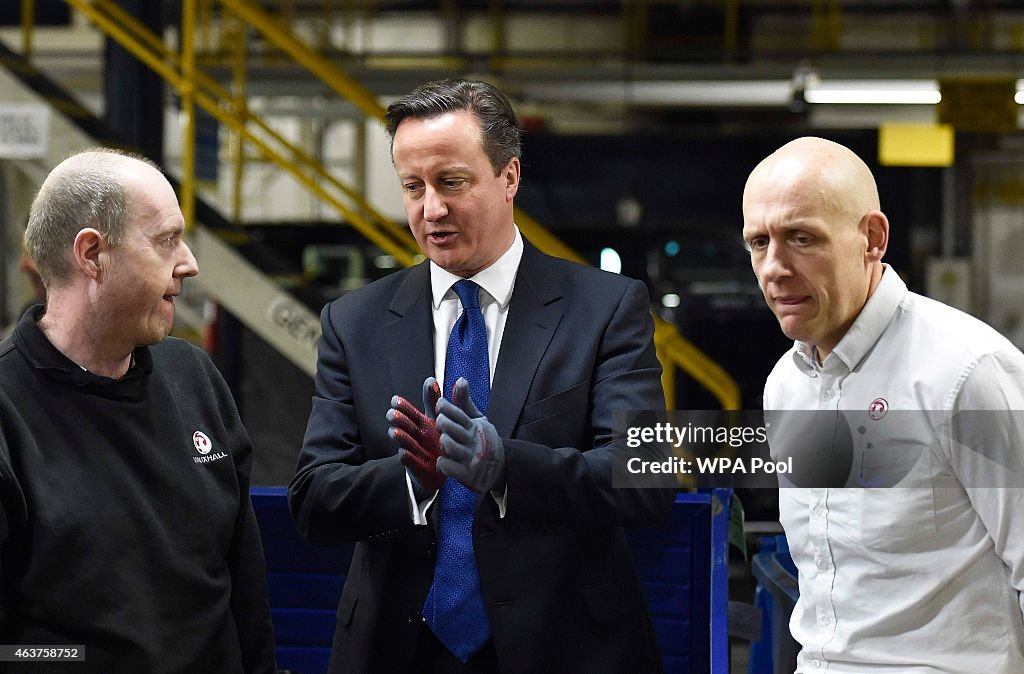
(454, 609)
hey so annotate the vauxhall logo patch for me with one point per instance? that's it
(878, 408)
(204, 446)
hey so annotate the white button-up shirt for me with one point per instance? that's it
(927, 576)
(496, 285)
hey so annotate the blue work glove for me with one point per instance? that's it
(473, 452)
(417, 437)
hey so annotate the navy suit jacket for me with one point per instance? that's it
(557, 577)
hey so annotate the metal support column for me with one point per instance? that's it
(28, 13)
(133, 93)
(188, 108)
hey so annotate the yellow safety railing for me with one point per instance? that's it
(229, 108)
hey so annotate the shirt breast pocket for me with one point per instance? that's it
(895, 519)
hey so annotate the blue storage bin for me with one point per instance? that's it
(777, 591)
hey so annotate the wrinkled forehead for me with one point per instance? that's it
(812, 186)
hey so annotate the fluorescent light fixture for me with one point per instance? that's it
(667, 93)
(874, 92)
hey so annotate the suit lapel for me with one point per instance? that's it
(533, 317)
(410, 344)
(410, 335)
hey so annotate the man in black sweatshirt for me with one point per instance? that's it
(125, 522)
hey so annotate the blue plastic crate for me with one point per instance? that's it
(777, 592)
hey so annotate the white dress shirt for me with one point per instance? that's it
(927, 576)
(496, 284)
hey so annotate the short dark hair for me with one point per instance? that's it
(499, 129)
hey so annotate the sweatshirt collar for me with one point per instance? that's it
(45, 357)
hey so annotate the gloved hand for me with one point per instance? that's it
(473, 452)
(417, 437)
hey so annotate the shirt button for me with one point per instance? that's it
(815, 664)
(829, 394)
(818, 510)
(822, 563)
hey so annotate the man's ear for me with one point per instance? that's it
(878, 235)
(89, 252)
(511, 175)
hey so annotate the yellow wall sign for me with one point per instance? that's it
(915, 144)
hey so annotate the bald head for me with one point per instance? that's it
(829, 173)
(91, 189)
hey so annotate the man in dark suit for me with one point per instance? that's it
(566, 347)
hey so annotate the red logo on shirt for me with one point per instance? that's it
(202, 443)
(878, 408)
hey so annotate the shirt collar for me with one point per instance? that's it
(866, 330)
(48, 359)
(497, 280)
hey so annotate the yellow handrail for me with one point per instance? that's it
(674, 349)
(346, 86)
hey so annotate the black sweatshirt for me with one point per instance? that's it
(125, 520)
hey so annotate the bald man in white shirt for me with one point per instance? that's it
(927, 576)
